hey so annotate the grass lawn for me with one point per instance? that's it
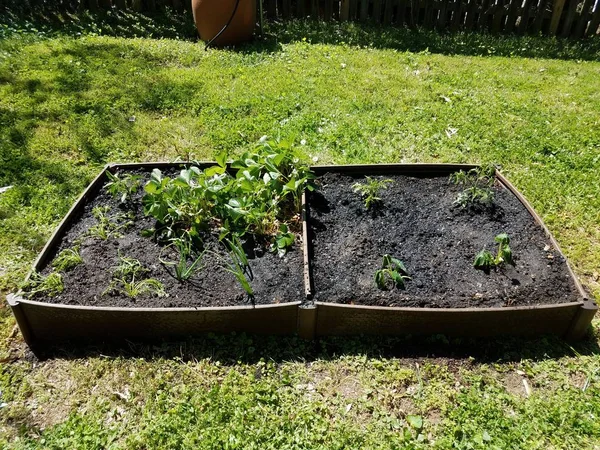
(75, 98)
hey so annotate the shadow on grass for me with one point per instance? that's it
(231, 349)
(171, 24)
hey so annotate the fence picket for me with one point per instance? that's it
(364, 10)
(483, 15)
(584, 19)
(557, 10)
(540, 15)
(387, 13)
(594, 22)
(571, 11)
(525, 12)
(470, 16)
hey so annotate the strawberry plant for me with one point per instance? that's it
(262, 197)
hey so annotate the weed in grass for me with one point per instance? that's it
(392, 269)
(50, 285)
(486, 261)
(370, 190)
(122, 187)
(127, 278)
(67, 259)
(108, 226)
(479, 184)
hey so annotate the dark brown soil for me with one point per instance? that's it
(437, 241)
(276, 280)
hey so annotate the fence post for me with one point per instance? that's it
(557, 9)
(345, 10)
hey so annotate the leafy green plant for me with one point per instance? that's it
(370, 190)
(260, 197)
(67, 259)
(392, 269)
(484, 260)
(283, 241)
(478, 182)
(122, 187)
(108, 226)
(183, 270)
(128, 278)
(50, 285)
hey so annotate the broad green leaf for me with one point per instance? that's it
(214, 170)
(221, 159)
(415, 422)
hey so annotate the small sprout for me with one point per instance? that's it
(370, 190)
(124, 280)
(182, 269)
(239, 265)
(67, 259)
(283, 241)
(50, 285)
(479, 183)
(108, 226)
(124, 187)
(392, 269)
(486, 261)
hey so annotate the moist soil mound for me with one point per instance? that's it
(275, 279)
(417, 222)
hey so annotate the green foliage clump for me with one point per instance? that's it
(478, 184)
(265, 191)
(370, 190)
(188, 260)
(486, 261)
(67, 259)
(108, 226)
(263, 198)
(392, 269)
(122, 187)
(128, 278)
(50, 285)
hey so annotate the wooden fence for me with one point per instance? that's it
(566, 18)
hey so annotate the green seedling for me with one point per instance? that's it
(238, 265)
(478, 184)
(127, 278)
(67, 259)
(124, 187)
(370, 190)
(486, 261)
(392, 269)
(50, 285)
(108, 226)
(283, 241)
(182, 269)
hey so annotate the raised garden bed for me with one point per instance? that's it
(325, 282)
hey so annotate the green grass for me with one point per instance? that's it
(70, 103)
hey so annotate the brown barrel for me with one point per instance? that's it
(211, 15)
